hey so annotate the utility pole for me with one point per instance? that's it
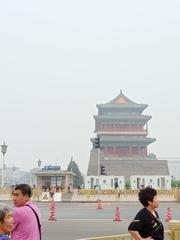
(97, 146)
(3, 150)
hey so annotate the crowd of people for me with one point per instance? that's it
(24, 222)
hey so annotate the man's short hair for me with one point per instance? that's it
(146, 195)
(3, 210)
(24, 188)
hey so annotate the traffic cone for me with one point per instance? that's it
(168, 215)
(117, 216)
(52, 208)
(99, 205)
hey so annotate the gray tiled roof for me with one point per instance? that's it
(123, 117)
(128, 103)
(123, 106)
(115, 140)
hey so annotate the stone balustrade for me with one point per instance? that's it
(174, 227)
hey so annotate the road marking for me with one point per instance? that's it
(83, 219)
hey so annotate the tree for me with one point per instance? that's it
(78, 179)
(175, 183)
(152, 156)
(127, 185)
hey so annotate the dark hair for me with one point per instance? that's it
(146, 195)
(3, 211)
(24, 188)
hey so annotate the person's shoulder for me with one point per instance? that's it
(142, 216)
(21, 210)
(142, 212)
(18, 212)
(157, 215)
(34, 206)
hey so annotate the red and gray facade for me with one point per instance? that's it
(123, 132)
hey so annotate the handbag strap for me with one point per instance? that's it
(39, 225)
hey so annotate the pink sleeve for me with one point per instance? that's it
(16, 219)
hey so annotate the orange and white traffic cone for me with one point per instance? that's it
(168, 215)
(52, 208)
(117, 216)
(99, 204)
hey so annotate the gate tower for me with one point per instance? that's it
(123, 132)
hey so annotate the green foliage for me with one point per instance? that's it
(127, 185)
(78, 179)
(152, 156)
(175, 183)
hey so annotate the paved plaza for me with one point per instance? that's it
(80, 220)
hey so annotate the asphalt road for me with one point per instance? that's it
(80, 220)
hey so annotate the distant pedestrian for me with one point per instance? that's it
(116, 185)
(27, 223)
(146, 224)
(69, 187)
(79, 188)
(52, 191)
(6, 222)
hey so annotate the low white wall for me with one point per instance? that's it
(105, 182)
(157, 182)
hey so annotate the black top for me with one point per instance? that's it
(147, 225)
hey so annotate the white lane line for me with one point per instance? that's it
(83, 219)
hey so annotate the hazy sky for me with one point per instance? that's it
(58, 59)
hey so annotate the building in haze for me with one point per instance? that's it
(14, 175)
(51, 176)
(122, 129)
(174, 167)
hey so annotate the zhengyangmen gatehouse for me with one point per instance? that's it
(122, 130)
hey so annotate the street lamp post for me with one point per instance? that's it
(97, 146)
(3, 150)
(14, 169)
(98, 155)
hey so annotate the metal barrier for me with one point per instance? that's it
(107, 195)
(124, 191)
